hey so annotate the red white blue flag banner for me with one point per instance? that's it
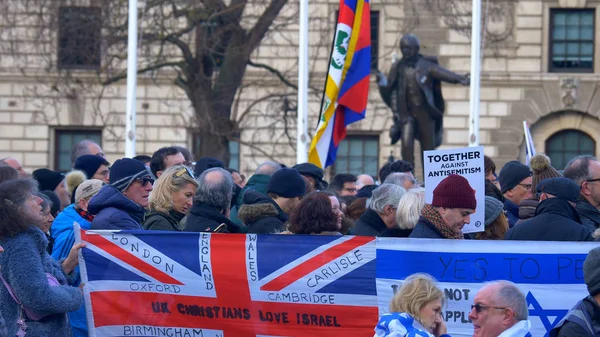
(151, 283)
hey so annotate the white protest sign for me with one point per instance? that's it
(467, 162)
(549, 275)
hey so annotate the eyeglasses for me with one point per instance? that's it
(478, 307)
(182, 171)
(592, 180)
(526, 186)
(145, 180)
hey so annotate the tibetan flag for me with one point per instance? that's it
(347, 87)
(529, 146)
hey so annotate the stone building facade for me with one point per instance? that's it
(538, 66)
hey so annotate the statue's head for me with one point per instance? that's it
(410, 45)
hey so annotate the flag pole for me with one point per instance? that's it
(302, 115)
(475, 73)
(130, 117)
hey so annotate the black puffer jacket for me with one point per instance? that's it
(555, 220)
(205, 218)
(261, 214)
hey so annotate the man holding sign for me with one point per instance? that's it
(453, 203)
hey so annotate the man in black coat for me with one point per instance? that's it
(212, 203)
(381, 211)
(585, 172)
(555, 217)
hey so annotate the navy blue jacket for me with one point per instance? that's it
(555, 220)
(113, 210)
(511, 210)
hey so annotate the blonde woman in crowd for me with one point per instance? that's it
(415, 310)
(408, 213)
(171, 199)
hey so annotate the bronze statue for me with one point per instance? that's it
(413, 91)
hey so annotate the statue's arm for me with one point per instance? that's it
(446, 75)
(385, 84)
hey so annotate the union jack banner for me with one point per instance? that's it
(150, 283)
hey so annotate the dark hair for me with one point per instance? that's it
(54, 202)
(356, 208)
(157, 162)
(13, 195)
(489, 165)
(492, 191)
(578, 169)
(494, 231)
(313, 215)
(399, 166)
(187, 155)
(8, 173)
(337, 183)
(309, 186)
(143, 158)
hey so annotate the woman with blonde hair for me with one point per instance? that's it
(171, 199)
(407, 214)
(416, 310)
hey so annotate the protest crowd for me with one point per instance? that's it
(41, 294)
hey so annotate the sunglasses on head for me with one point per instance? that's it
(145, 180)
(182, 171)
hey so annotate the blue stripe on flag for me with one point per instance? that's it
(482, 267)
(351, 4)
(360, 68)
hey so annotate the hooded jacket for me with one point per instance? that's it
(113, 210)
(555, 220)
(205, 218)
(160, 221)
(24, 266)
(64, 238)
(257, 182)
(590, 215)
(261, 214)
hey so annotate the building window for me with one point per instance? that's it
(234, 151)
(79, 35)
(374, 38)
(358, 155)
(65, 140)
(567, 144)
(572, 40)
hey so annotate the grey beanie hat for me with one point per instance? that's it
(493, 208)
(591, 271)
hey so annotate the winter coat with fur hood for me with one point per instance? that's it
(25, 263)
(261, 214)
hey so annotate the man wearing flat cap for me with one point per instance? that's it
(555, 217)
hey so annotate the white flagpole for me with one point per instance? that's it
(475, 73)
(130, 117)
(302, 114)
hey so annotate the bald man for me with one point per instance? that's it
(14, 163)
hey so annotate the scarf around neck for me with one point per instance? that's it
(435, 218)
(520, 329)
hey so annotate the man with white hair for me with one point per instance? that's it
(381, 211)
(500, 310)
(401, 179)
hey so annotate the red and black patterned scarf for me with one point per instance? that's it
(435, 218)
(85, 215)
